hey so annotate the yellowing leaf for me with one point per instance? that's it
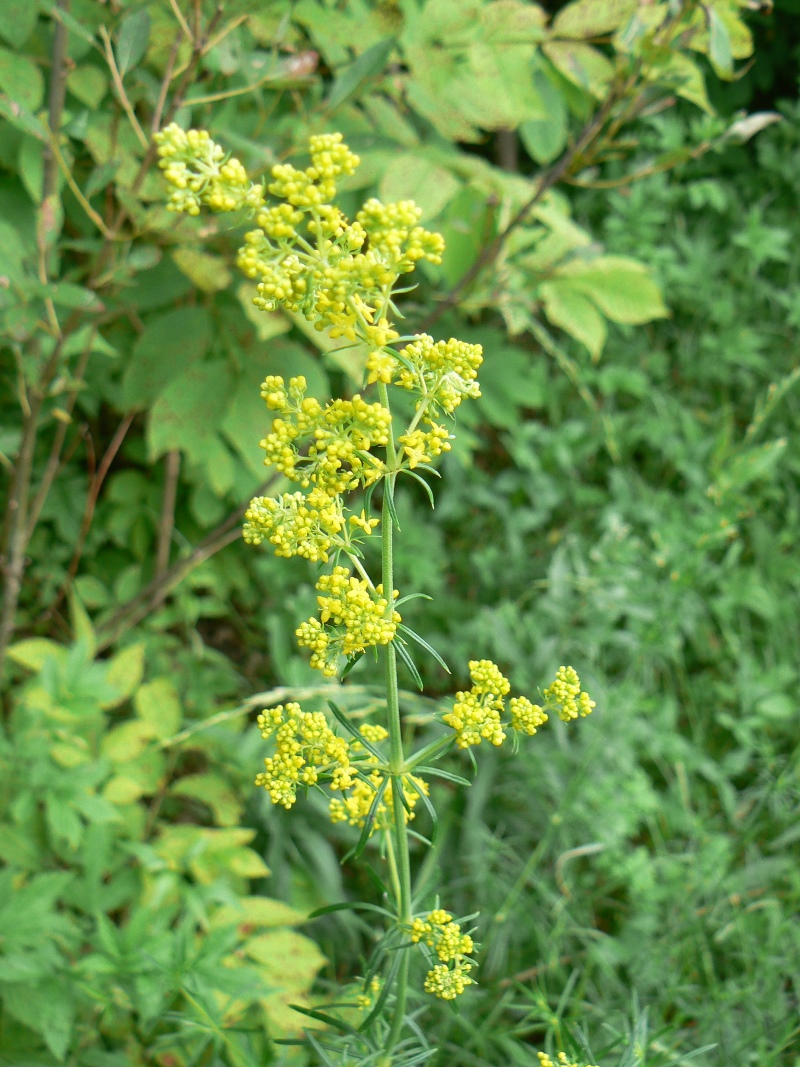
(256, 912)
(122, 790)
(248, 864)
(513, 22)
(81, 624)
(620, 287)
(34, 651)
(213, 791)
(288, 960)
(581, 64)
(128, 740)
(158, 706)
(591, 18)
(207, 272)
(125, 673)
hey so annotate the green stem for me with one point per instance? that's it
(397, 756)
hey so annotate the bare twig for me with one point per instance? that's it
(54, 459)
(184, 25)
(95, 485)
(155, 123)
(172, 469)
(158, 589)
(58, 88)
(122, 96)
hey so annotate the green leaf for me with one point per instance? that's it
(134, 34)
(22, 118)
(82, 625)
(592, 18)
(158, 705)
(719, 45)
(207, 272)
(268, 324)
(189, 410)
(34, 652)
(368, 64)
(48, 1008)
(30, 160)
(621, 287)
(17, 21)
(688, 80)
(21, 79)
(88, 84)
(567, 307)
(125, 672)
(411, 178)
(512, 22)
(213, 791)
(581, 64)
(172, 342)
(128, 741)
(544, 139)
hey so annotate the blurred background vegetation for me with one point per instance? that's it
(627, 503)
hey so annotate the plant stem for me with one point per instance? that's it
(397, 764)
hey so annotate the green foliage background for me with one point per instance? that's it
(634, 513)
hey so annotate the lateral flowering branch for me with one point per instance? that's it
(308, 258)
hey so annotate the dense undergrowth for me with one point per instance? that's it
(636, 515)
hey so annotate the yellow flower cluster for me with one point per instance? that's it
(423, 446)
(477, 714)
(438, 931)
(355, 805)
(202, 173)
(442, 373)
(566, 697)
(305, 749)
(342, 434)
(547, 1061)
(352, 617)
(332, 281)
(296, 524)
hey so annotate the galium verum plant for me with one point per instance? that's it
(343, 276)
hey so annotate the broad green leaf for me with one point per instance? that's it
(207, 272)
(581, 64)
(411, 178)
(88, 84)
(82, 625)
(187, 413)
(157, 704)
(125, 672)
(31, 167)
(17, 21)
(22, 118)
(544, 139)
(21, 79)
(368, 64)
(248, 864)
(568, 308)
(688, 80)
(34, 652)
(592, 18)
(48, 1007)
(253, 913)
(719, 45)
(621, 288)
(268, 324)
(74, 297)
(134, 33)
(172, 342)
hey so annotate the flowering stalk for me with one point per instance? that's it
(308, 258)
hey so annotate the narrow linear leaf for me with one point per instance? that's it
(423, 644)
(426, 800)
(347, 905)
(354, 731)
(437, 772)
(350, 80)
(423, 483)
(369, 822)
(403, 653)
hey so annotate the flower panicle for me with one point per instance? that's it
(448, 978)
(478, 713)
